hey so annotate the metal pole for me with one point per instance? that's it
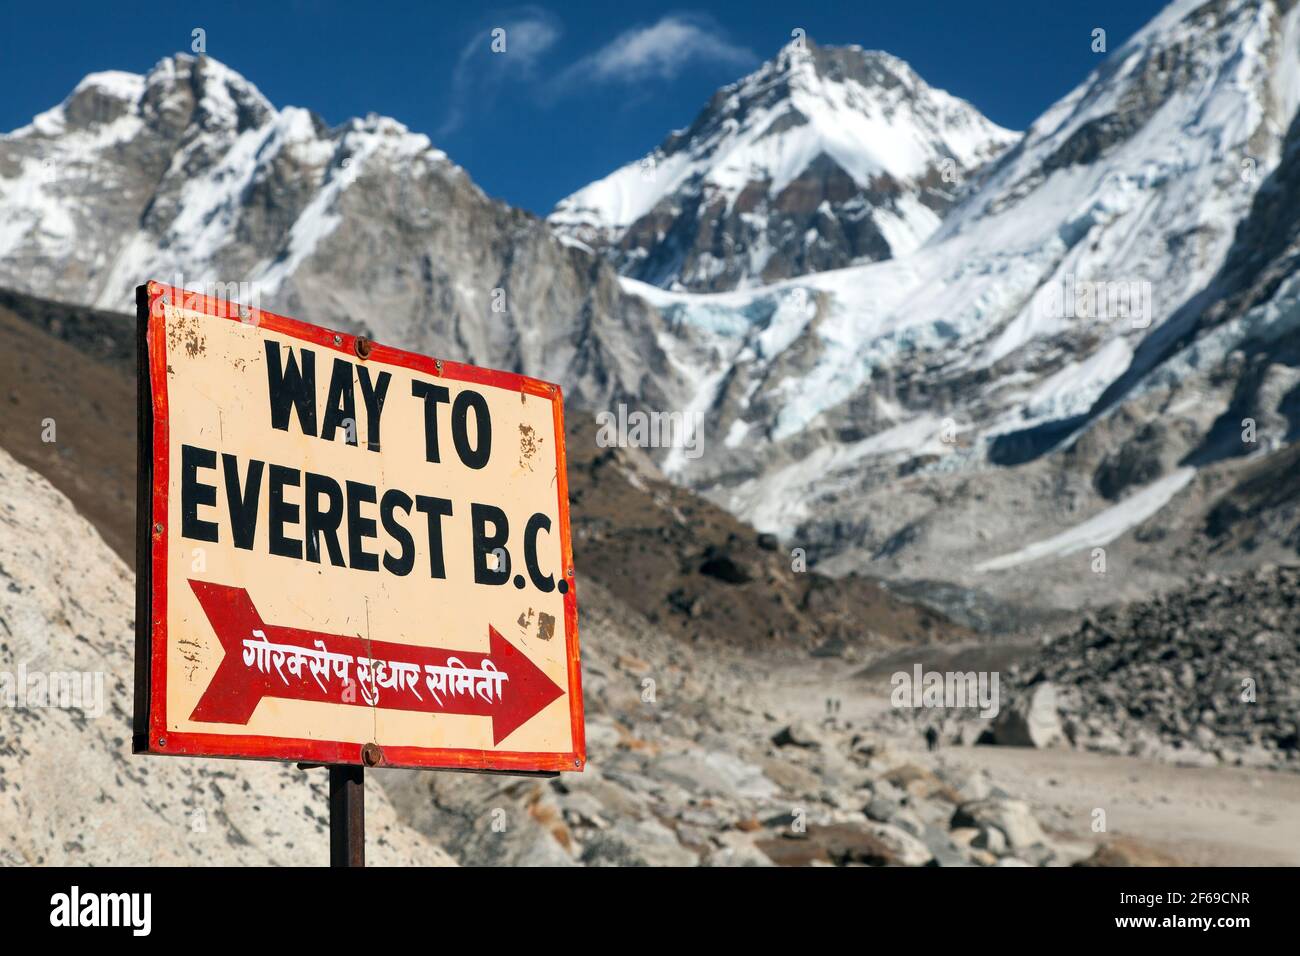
(347, 815)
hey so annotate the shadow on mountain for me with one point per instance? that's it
(1017, 448)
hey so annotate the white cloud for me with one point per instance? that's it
(659, 51)
(508, 50)
(525, 40)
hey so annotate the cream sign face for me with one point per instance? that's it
(348, 553)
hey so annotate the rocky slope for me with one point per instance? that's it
(823, 157)
(693, 762)
(71, 793)
(693, 570)
(1199, 675)
(68, 390)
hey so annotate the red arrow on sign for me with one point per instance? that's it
(267, 660)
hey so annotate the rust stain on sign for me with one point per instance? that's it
(529, 445)
(191, 652)
(185, 334)
(545, 626)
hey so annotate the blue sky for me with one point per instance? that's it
(582, 87)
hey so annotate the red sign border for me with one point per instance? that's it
(151, 735)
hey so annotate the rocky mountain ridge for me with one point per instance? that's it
(1065, 363)
(1071, 354)
(823, 157)
(190, 176)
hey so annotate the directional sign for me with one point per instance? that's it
(348, 553)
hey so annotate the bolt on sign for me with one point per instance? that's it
(348, 553)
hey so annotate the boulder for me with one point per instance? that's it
(739, 855)
(799, 734)
(636, 843)
(1012, 817)
(714, 773)
(992, 839)
(790, 777)
(903, 848)
(920, 783)
(875, 844)
(946, 850)
(1124, 851)
(1031, 721)
(881, 809)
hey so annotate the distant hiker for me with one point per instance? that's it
(931, 738)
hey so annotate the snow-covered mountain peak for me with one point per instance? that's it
(821, 157)
(209, 94)
(97, 101)
(1203, 86)
(875, 346)
(1075, 265)
(224, 99)
(207, 163)
(190, 175)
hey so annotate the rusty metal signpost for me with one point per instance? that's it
(349, 555)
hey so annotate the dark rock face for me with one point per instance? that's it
(718, 564)
(1139, 461)
(1264, 504)
(823, 203)
(1031, 721)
